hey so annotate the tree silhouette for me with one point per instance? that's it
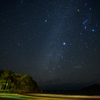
(11, 81)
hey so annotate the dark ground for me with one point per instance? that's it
(8, 98)
(72, 92)
(47, 99)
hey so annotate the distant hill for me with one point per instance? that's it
(16, 83)
(94, 87)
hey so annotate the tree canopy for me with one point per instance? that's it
(14, 82)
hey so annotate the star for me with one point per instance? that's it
(89, 8)
(92, 30)
(45, 20)
(80, 33)
(61, 56)
(64, 43)
(85, 27)
(21, 1)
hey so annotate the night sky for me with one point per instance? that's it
(57, 42)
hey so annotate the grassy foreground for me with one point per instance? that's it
(32, 96)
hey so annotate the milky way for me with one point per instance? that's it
(56, 42)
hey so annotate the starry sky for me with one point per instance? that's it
(57, 42)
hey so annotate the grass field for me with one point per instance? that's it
(35, 96)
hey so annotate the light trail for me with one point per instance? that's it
(37, 96)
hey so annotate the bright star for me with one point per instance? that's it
(64, 43)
